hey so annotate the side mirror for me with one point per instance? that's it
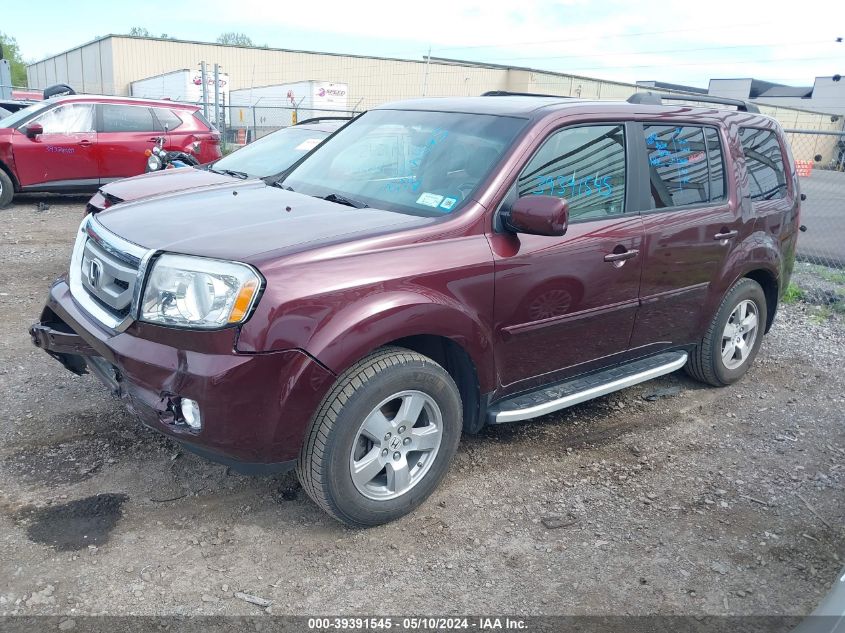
(538, 215)
(34, 129)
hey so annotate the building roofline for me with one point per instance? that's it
(201, 43)
(446, 61)
(554, 73)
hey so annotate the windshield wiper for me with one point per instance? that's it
(230, 172)
(278, 183)
(349, 202)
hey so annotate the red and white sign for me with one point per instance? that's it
(804, 168)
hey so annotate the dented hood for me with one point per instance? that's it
(241, 220)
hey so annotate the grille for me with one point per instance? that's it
(108, 278)
(104, 273)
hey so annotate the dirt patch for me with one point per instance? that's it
(74, 525)
(666, 498)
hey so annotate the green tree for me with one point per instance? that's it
(13, 54)
(140, 31)
(235, 39)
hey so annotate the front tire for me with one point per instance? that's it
(733, 338)
(382, 439)
(7, 189)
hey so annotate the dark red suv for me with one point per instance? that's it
(79, 142)
(435, 266)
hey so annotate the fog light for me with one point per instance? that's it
(191, 413)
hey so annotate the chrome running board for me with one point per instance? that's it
(566, 394)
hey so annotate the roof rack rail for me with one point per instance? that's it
(508, 93)
(653, 98)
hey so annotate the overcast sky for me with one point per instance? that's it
(679, 42)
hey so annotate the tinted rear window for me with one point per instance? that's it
(764, 163)
(199, 116)
(716, 162)
(167, 118)
(685, 165)
(124, 118)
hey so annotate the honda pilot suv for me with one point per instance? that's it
(434, 266)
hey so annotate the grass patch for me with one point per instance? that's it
(820, 315)
(828, 274)
(793, 293)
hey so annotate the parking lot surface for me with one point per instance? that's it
(667, 498)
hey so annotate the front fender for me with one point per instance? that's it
(7, 163)
(338, 306)
(361, 327)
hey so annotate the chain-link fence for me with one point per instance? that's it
(820, 162)
(240, 124)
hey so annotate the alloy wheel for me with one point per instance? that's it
(396, 445)
(739, 334)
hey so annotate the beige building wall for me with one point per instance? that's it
(110, 64)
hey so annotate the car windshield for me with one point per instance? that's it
(416, 162)
(16, 117)
(272, 154)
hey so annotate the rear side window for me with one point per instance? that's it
(716, 163)
(685, 165)
(764, 163)
(585, 165)
(167, 119)
(201, 118)
(121, 118)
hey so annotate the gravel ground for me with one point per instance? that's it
(667, 498)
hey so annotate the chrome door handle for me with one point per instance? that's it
(725, 236)
(621, 257)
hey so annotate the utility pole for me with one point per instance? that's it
(5, 77)
(217, 94)
(204, 90)
(427, 63)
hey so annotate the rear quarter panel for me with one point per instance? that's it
(191, 130)
(770, 246)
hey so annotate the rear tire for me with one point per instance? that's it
(7, 189)
(731, 343)
(382, 439)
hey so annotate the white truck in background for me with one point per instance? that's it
(183, 85)
(267, 108)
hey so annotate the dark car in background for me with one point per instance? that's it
(268, 158)
(13, 105)
(79, 142)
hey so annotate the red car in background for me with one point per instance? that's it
(79, 142)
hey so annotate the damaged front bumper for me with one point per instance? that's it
(255, 407)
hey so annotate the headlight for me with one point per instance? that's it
(153, 163)
(198, 292)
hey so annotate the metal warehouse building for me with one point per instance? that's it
(108, 65)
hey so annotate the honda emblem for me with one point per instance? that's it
(95, 270)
